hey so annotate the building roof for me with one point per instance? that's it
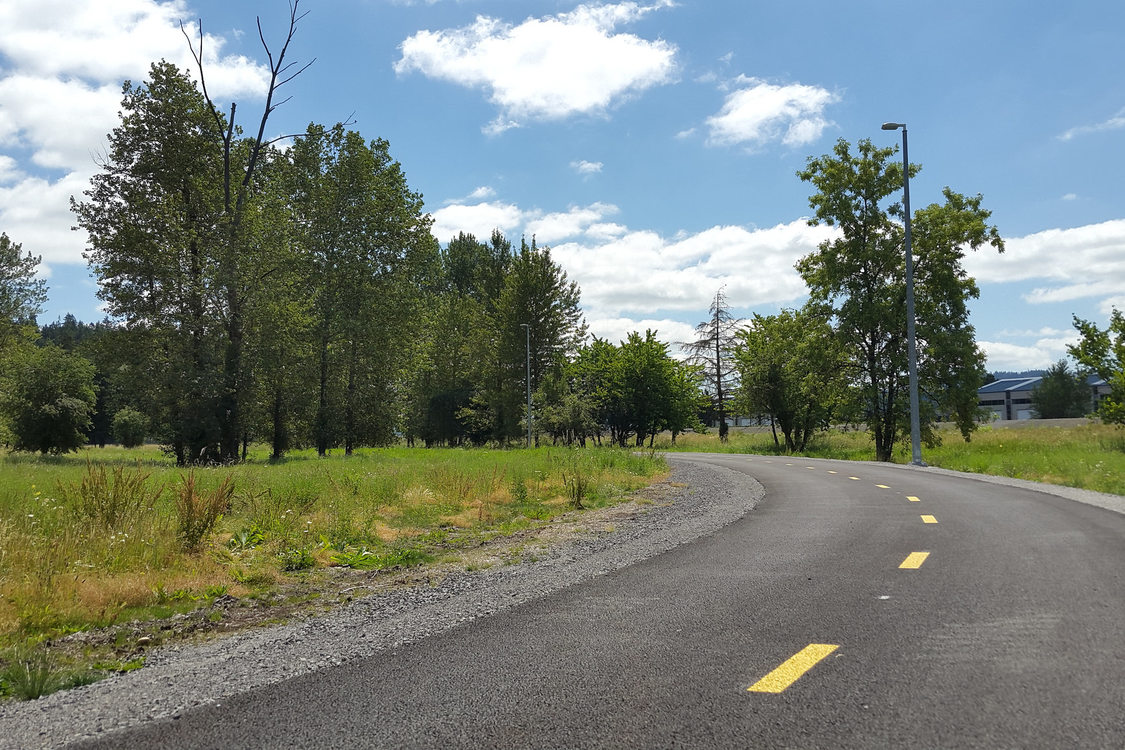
(1011, 384)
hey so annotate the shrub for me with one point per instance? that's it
(111, 499)
(49, 400)
(198, 511)
(130, 427)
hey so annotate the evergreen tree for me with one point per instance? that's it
(713, 350)
(1061, 394)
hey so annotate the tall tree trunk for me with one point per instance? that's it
(322, 399)
(350, 408)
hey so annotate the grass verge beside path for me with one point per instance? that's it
(1086, 456)
(109, 552)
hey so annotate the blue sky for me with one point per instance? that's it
(652, 145)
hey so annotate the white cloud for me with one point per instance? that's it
(584, 167)
(551, 228)
(642, 272)
(9, 170)
(478, 219)
(63, 123)
(1040, 354)
(1070, 197)
(616, 330)
(482, 193)
(1117, 122)
(758, 112)
(36, 213)
(1081, 262)
(547, 68)
(1109, 304)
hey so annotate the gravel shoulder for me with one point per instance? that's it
(695, 501)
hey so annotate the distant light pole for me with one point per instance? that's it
(911, 346)
(527, 330)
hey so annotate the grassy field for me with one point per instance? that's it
(109, 536)
(1088, 456)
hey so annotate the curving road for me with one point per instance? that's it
(793, 627)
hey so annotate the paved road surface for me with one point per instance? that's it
(1010, 633)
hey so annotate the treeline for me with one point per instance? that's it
(297, 297)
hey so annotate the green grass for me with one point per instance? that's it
(98, 538)
(1086, 456)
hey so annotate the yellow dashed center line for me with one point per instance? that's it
(883, 486)
(793, 668)
(914, 560)
(912, 499)
(929, 519)
(854, 478)
(833, 472)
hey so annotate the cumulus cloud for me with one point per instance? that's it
(553, 227)
(477, 219)
(643, 272)
(584, 167)
(1077, 263)
(1117, 122)
(547, 68)
(1042, 352)
(757, 112)
(36, 213)
(616, 330)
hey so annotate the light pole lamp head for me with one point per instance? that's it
(893, 125)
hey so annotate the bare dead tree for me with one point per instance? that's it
(236, 190)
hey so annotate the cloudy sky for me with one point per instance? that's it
(653, 145)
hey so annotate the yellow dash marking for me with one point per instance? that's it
(883, 486)
(792, 669)
(811, 468)
(914, 560)
(855, 478)
(929, 519)
(788, 464)
(912, 499)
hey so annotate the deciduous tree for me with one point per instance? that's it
(860, 277)
(792, 370)
(1103, 353)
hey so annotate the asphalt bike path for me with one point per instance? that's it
(859, 605)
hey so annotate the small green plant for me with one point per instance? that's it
(577, 483)
(296, 558)
(111, 498)
(198, 511)
(518, 490)
(245, 540)
(30, 674)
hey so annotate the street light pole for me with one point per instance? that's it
(911, 345)
(527, 330)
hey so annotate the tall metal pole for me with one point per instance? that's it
(911, 345)
(527, 330)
